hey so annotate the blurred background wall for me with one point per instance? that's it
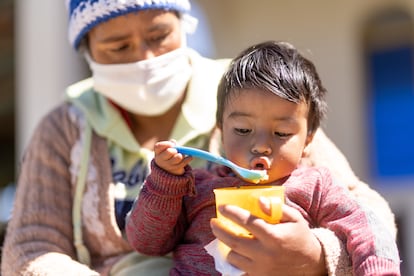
(363, 51)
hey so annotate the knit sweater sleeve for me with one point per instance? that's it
(157, 221)
(323, 152)
(370, 245)
(39, 238)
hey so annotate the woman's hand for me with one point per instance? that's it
(287, 248)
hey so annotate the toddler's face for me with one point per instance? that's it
(264, 131)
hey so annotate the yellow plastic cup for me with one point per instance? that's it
(247, 197)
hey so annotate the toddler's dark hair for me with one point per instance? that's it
(279, 68)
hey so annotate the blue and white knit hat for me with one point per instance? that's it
(85, 14)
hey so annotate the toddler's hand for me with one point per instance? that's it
(167, 158)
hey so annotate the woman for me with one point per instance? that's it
(87, 159)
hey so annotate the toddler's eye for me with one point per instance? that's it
(282, 134)
(242, 131)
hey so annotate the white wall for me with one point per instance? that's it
(45, 63)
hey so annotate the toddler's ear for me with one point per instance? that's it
(308, 144)
(216, 142)
(306, 152)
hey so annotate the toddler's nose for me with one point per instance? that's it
(261, 148)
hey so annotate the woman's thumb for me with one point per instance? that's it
(290, 214)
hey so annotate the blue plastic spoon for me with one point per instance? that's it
(253, 175)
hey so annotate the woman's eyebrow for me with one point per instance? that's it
(121, 36)
(157, 27)
(114, 38)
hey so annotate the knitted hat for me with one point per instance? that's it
(85, 14)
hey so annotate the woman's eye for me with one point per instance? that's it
(157, 39)
(120, 48)
(242, 131)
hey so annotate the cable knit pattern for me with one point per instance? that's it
(39, 239)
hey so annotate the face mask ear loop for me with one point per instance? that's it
(188, 26)
(188, 23)
(85, 53)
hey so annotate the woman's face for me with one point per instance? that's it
(135, 36)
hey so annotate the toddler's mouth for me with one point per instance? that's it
(259, 167)
(260, 163)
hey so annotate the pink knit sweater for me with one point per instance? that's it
(173, 213)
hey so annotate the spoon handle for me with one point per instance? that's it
(204, 155)
(253, 175)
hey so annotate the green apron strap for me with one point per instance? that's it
(81, 250)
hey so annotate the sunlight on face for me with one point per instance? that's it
(264, 131)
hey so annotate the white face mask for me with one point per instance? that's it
(148, 87)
